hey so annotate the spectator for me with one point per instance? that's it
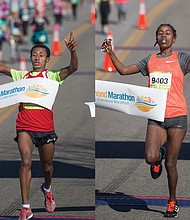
(122, 11)
(74, 4)
(3, 35)
(15, 37)
(40, 5)
(104, 13)
(39, 35)
(4, 9)
(57, 11)
(25, 15)
(67, 9)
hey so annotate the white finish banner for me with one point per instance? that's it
(134, 100)
(40, 91)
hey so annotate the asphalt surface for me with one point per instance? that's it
(73, 178)
(124, 188)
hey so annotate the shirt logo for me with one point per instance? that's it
(170, 61)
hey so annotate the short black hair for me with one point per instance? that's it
(41, 46)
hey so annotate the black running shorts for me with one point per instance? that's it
(40, 138)
(175, 122)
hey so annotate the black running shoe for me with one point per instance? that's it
(172, 209)
(156, 168)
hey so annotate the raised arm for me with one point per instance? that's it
(120, 67)
(71, 45)
(5, 69)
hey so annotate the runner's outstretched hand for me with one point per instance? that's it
(107, 46)
(71, 44)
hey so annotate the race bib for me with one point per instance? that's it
(16, 31)
(161, 80)
(42, 38)
(25, 17)
(57, 10)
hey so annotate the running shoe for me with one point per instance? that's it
(156, 168)
(49, 200)
(172, 209)
(25, 214)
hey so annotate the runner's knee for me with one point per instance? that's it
(170, 164)
(26, 161)
(151, 158)
(47, 166)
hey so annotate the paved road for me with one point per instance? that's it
(73, 182)
(124, 188)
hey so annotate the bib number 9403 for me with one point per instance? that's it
(160, 80)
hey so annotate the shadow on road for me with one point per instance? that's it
(130, 149)
(67, 209)
(10, 169)
(121, 202)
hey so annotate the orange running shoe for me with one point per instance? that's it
(49, 200)
(172, 209)
(156, 168)
(25, 214)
